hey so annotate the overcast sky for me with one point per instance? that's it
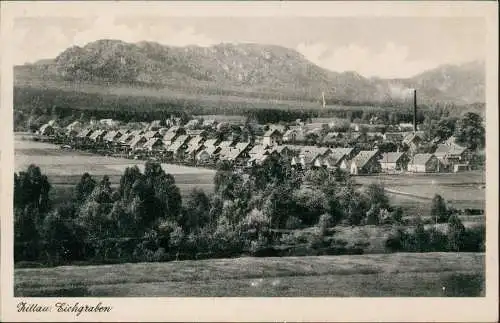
(383, 47)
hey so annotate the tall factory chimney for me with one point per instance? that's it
(414, 110)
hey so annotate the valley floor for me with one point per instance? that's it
(389, 275)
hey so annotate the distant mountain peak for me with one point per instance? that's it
(251, 68)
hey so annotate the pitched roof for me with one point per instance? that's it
(211, 142)
(194, 144)
(74, 125)
(272, 132)
(84, 133)
(230, 153)
(341, 152)
(331, 136)
(454, 149)
(169, 135)
(137, 141)
(314, 150)
(181, 140)
(242, 145)
(151, 134)
(257, 149)
(126, 137)
(110, 135)
(332, 160)
(391, 157)
(152, 142)
(97, 133)
(421, 159)
(195, 132)
(394, 136)
(363, 157)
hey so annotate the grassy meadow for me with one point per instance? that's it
(399, 274)
(64, 168)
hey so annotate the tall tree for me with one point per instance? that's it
(439, 210)
(470, 131)
(84, 188)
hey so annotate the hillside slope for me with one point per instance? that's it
(254, 70)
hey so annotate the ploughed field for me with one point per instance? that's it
(398, 274)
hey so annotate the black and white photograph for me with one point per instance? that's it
(262, 156)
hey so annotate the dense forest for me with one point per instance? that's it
(46, 103)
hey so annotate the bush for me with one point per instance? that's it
(464, 285)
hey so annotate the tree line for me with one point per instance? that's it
(145, 218)
(40, 104)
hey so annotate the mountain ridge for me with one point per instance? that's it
(267, 70)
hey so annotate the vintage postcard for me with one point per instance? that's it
(249, 161)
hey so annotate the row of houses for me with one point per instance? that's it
(192, 144)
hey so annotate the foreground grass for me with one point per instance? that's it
(400, 274)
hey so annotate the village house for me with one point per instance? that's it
(155, 125)
(293, 135)
(234, 155)
(172, 134)
(405, 126)
(194, 146)
(70, 133)
(272, 137)
(310, 156)
(112, 136)
(53, 123)
(85, 133)
(413, 141)
(394, 161)
(209, 123)
(281, 128)
(346, 153)
(138, 142)
(46, 130)
(332, 162)
(208, 153)
(212, 142)
(452, 154)
(75, 125)
(203, 156)
(98, 135)
(196, 133)
(330, 138)
(395, 137)
(340, 157)
(365, 162)
(152, 134)
(193, 124)
(178, 147)
(126, 138)
(450, 141)
(424, 163)
(153, 144)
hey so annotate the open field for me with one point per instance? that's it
(400, 274)
(460, 190)
(412, 191)
(65, 168)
